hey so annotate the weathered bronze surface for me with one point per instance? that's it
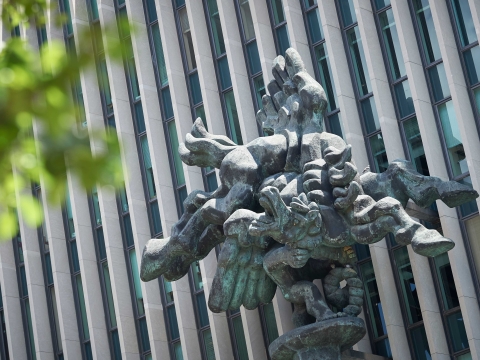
(288, 209)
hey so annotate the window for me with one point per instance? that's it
(392, 44)
(415, 145)
(187, 39)
(359, 63)
(279, 25)
(427, 30)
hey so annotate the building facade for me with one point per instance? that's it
(403, 81)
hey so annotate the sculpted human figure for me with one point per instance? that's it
(288, 209)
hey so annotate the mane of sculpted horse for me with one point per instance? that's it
(288, 208)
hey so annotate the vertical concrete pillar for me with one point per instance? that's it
(343, 83)
(252, 328)
(12, 309)
(379, 80)
(297, 32)
(238, 70)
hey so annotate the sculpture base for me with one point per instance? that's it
(324, 340)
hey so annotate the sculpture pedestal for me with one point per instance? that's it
(324, 340)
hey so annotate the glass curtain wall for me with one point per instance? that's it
(77, 283)
(372, 306)
(193, 81)
(237, 334)
(24, 298)
(139, 121)
(279, 25)
(362, 86)
(170, 130)
(4, 354)
(250, 50)
(44, 248)
(323, 73)
(222, 70)
(397, 77)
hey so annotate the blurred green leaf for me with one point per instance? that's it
(31, 210)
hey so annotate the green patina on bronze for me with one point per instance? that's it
(288, 209)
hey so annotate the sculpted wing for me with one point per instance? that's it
(240, 278)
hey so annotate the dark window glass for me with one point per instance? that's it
(225, 80)
(144, 334)
(464, 22)
(325, 75)
(182, 194)
(96, 207)
(157, 224)
(123, 199)
(108, 291)
(420, 344)
(177, 161)
(457, 332)
(127, 223)
(335, 124)
(370, 115)
(197, 276)
(30, 327)
(202, 310)
(42, 35)
(83, 309)
(253, 57)
(152, 12)
(23, 280)
(94, 9)
(75, 262)
(132, 72)
(427, 30)
(105, 86)
(453, 139)
(187, 39)
(470, 207)
(161, 65)
(139, 117)
(310, 3)
(101, 244)
(381, 3)
(379, 153)
(374, 304)
(212, 181)
(167, 103)
(392, 44)
(172, 320)
(315, 25)
(472, 61)
(70, 224)
(248, 29)
(232, 116)
(168, 291)
(283, 38)
(195, 88)
(382, 348)
(117, 351)
(415, 145)
(445, 279)
(278, 13)
(359, 64)
(179, 2)
(259, 86)
(48, 266)
(476, 95)
(88, 351)
(217, 33)
(240, 338)
(200, 113)
(147, 163)
(270, 322)
(362, 251)
(473, 229)
(347, 10)
(177, 349)
(208, 342)
(66, 9)
(439, 82)
(407, 284)
(404, 99)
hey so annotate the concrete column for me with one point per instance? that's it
(283, 313)
(67, 318)
(390, 300)
(89, 270)
(218, 321)
(238, 70)
(432, 318)
(108, 209)
(379, 80)
(133, 185)
(12, 309)
(343, 83)
(297, 32)
(264, 36)
(205, 66)
(32, 254)
(252, 327)
(178, 88)
(458, 88)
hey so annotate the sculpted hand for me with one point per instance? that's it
(297, 258)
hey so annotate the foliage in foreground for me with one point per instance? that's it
(41, 134)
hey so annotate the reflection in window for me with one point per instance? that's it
(473, 232)
(453, 139)
(325, 75)
(464, 22)
(217, 33)
(370, 115)
(472, 62)
(415, 145)
(420, 344)
(379, 153)
(187, 39)
(392, 44)
(427, 30)
(347, 10)
(438, 80)
(147, 163)
(232, 116)
(358, 58)
(172, 132)
(404, 99)
(247, 21)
